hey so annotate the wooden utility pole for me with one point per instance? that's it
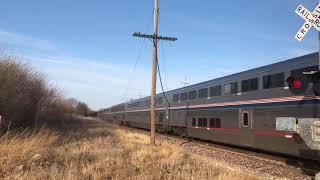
(155, 38)
(154, 74)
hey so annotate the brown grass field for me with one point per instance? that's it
(103, 152)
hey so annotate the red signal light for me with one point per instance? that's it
(298, 84)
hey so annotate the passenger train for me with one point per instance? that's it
(238, 109)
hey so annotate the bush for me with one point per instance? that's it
(79, 108)
(26, 100)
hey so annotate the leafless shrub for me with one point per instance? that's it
(79, 108)
(26, 100)
(20, 92)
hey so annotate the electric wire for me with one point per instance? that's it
(163, 92)
(164, 66)
(160, 79)
(133, 70)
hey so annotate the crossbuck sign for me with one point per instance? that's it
(312, 19)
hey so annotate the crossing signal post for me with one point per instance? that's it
(155, 39)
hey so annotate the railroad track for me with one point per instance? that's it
(267, 164)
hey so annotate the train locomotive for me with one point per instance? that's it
(239, 109)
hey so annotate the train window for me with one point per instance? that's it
(267, 82)
(175, 97)
(227, 89)
(192, 94)
(212, 123)
(199, 122)
(245, 85)
(203, 93)
(215, 91)
(254, 84)
(234, 87)
(161, 117)
(278, 80)
(249, 85)
(184, 96)
(231, 88)
(204, 122)
(218, 123)
(273, 81)
(245, 118)
(159, 100)
(148, 102)
(193, 121)
(306, 69)
(215, 123)
(117, 108)
(131, 105)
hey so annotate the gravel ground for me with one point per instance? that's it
(266, 167)
(270, 169)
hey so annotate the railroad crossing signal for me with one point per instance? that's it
(299, 84)
(312, 20)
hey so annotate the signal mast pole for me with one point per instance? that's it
(155, 39)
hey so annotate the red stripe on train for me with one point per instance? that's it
(283, 134)
(270, 133)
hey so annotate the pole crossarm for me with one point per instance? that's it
(138, 34)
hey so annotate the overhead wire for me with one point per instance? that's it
(163, 92)
(164, 65)
(160, 79)
(133, 70)
(142, 43)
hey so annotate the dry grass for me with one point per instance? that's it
(18, 150)
(104, 153)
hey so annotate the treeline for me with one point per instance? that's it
(79, 108)
(27, 100)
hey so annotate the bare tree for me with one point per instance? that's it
(25, 97)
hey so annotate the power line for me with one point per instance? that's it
(133, 70)
(164, 95)
(163, 92)
(164, 65)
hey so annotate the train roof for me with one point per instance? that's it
(309, 58)
(279, 65)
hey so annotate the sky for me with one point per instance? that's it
(86, 48)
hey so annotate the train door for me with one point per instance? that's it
(246, 125)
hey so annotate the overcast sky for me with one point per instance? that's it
(86, 47)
